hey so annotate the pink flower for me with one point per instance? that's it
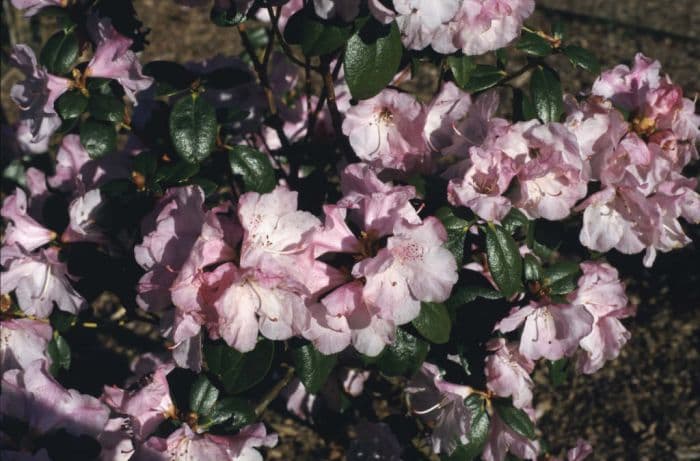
(502, 440)
(23, 341)
(169, 235)
(381, 13)
(185, 445)
(32, 395)
(83, 213)
(603, 295)
(353, 380)
(346, 318)
(147, 402)
(476, 127)
(487, 177)
(385, 131)
(627, 87)
(441, 403)
(414, 267)
(299, 401)
(39, 280)
(113, 58)
(420, 20)
(32, 7)
(508, 372)
(445, 110)
(550, 180)
(22, 229)
(35, 97)
(483, 25)
(551, 331)
(375, 206)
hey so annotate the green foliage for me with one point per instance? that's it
(433, 322)
(312, 367)
(193, 128)
(254, 168)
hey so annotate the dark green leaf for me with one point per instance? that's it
(203, 396)
(60, 53)
(479, 431)
(240, 411)
(61, 321)
(483, 77)
(404, 356)
(558, 371)
(462, 68)
(99, 86)
(582, 58)
(514, 219)
(98, 138)
(193, 128)
(106, 108)
(146, 163)
(547, 96)
(533, 44)
(561, 278)
(254, 167)
(315, 35)
(71, 104)
(207, 185)
(176, 172)
(523, 106)
(433, 322)
(504, 260)
(515, 418)
(456, 228)
(532, 268)
(372, 58)
(312, 367)
(239, 372)
(466, 294)
(59, 352)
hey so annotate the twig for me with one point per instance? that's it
(335, 113)
(274, 19)
(274, 392)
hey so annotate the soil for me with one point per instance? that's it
(643, 406)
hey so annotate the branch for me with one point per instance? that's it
(274, 392)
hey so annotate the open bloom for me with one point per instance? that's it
(508, 372)
(22, 229)
(386, 131)
(551, 331)
(35, 97)
(22, 341)
(603, 295)
(39, 280)
(420, 20)
(441, 402)
(113, 59)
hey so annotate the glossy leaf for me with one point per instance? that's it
(254, 168)
(505, 263)
(466, 294)
(71, 104)
(60, 354)
(483, 77)
(582, 58)
(456, 228)
(98, 138)
(532, 269)
(478, 431)
(193, 128)
(515, 418)
(404, 356)
(547, 95)
(561, 278)
(312, 367)
(238, 411)
(433, 322)
(315, 35)
(60, 53)
(533, 44)
(203, 396)
(237, 371)
(372, 58)
(461, 68)
(106, 108)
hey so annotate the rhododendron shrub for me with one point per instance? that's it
(293, 224)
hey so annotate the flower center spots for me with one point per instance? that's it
(409, 252)
(643, 126)
(385, 116)
(483, 184)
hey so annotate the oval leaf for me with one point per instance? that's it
(312, 367)
(462, 68)
(515, 418)
(547, 94)
(404, 356)
(71, 104)
(60, 53)
(483, 77)
(582, 58)
(316, 36)
(433, 322)
(203, 396)
(239, 372)
(533, 44)
(98, 138)
(372, 58)
(239, 411)
(106, 108)
(504, 260)
(193, 128)
(466, 294)
(254, 167)
(60, 354)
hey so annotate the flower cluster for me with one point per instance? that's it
(276, 225)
